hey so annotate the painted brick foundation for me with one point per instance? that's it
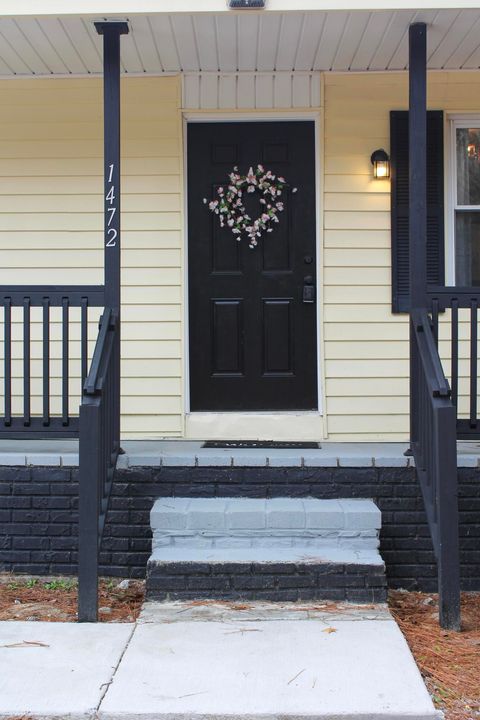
(266, 581)
(38, 514)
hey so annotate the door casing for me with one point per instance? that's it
(213, 425)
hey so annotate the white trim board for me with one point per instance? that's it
(247, 90)
(290, 425)
(453, 120)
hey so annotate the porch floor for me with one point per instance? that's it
(190, 453)
(216, 661)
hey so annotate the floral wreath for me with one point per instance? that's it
(231, 210)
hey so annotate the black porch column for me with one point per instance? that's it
(417, 150)
(92, 421)
(417, 217)
(111, 32)
(432, 418)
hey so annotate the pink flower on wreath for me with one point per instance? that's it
(232, 212)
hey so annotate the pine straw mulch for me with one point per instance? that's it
(55, 599)
(449, 661)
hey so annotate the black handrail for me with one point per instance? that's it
(93, 383)
(433, 443)
(99, 448)
(438, 383)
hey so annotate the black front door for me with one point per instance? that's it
(252, 312)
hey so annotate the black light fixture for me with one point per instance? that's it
(381, 164)
(246, 4)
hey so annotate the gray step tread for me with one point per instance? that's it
(297, 555)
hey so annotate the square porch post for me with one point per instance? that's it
(417, 201)
(436, 466)
(417, 150)
(92, 459)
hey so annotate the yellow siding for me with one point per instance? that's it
(51, 232)
(365, 346)
(51, 189)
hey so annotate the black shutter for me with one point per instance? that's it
(399, 198)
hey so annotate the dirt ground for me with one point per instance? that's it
(449, 661)
(55, 599)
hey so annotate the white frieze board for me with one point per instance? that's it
(251, 90)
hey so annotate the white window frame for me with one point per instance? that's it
(455, 122)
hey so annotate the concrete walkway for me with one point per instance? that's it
(214, 661)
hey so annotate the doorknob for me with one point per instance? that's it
(308, 289)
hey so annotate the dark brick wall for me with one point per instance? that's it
(38, 514)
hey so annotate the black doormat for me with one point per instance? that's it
(261, 444)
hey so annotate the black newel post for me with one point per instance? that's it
(91, 428)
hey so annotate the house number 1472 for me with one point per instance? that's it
(111, 210)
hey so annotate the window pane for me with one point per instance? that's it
(467, 248)
(468, 166)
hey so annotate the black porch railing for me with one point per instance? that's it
(99, 449)
(37, 404)
(462, 303)
(97, 424)
(433, 443)
(25, 308)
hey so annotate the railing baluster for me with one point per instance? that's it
(46, 361)
(84, 340)
(454, 337)
(65, 341)
(26, 363)
(7, 319)
(435, 321)
(473, 363)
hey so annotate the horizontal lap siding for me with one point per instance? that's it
(51, 188)
(365, 346)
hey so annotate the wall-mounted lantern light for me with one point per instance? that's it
(246, 4)
(381, 164)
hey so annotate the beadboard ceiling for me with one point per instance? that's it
(241, 42)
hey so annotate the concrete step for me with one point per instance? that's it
(281, 549)
(251, 522)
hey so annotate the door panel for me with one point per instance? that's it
(252, 336)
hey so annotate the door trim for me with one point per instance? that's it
(190, 418)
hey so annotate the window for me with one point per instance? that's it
(466, 201)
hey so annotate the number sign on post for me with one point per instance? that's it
(110, 210)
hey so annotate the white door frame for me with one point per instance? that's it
(287, 425)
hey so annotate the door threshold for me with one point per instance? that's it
(288, 426)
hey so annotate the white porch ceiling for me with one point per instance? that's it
(241, 42)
